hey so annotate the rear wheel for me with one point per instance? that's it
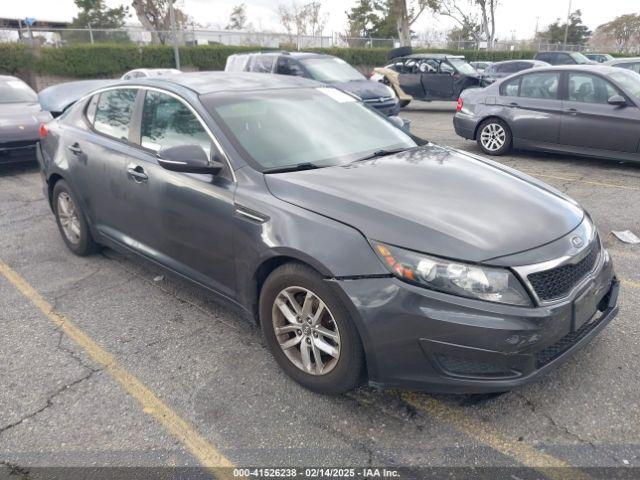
(71, 220)
(494, 137)
(309, 331)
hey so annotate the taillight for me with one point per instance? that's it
(459, 105)
(43, 130)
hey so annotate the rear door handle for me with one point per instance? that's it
(572, 111)
(137, 173)
(75, 148)
(513, 104)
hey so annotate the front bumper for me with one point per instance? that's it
(426, 340)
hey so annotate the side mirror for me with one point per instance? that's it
(617, 100)
(188, 159)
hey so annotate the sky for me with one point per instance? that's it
(514, 17)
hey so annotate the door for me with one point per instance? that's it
(533, 106)
(590, 121)
(99, 156)
(409, 77)
(181, 220)
(438, 83)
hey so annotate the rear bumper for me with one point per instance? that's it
(465, 125)
(425, 340)
(18, 151)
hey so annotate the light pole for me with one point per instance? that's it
(566, 26)
(172, 19)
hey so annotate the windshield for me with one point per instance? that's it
(16, 91)
(629, 80)
(580, 58)
(322, 126)
(331, 70)
(462, 66)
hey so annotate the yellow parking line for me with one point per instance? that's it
(207, 454)
(579, 180)
(481, 432)
(630, 283)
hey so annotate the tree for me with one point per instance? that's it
(95, 14)
(475, 18)
(154, 16)
(238, 18)
(302, 20)
(405, 13)
(623, 30)
(362, 19)
(577, 32)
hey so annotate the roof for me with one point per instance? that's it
(213, 82)
(528, 60)
(617, 61)
(284, 52)
(590, 67)
(433, 55)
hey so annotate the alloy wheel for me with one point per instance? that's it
(493, 137)
(68, 215)
(306, 330)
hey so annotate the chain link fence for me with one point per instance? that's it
(291, 41)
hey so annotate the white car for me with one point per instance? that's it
(149, 72)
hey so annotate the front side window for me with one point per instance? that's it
(586, 88)
(287, 66)
(168, 122)
(446, 68)
(461, 66)
(540, 85)
(286, 127)
(113, 112)
(628, 80)
(429, 66)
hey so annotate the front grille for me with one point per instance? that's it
(473, 368)
(558, 282)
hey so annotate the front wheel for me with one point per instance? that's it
(494, 137)
(309, 331)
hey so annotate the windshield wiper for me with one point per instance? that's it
(383, 153)
(292, 168)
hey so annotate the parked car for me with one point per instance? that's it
(149, 72)
(632, 63)
(434, 76)
(583, 110)
(57, 98)
(599, 57)
(363, 252)
(563, 58)
(480, 66)
(323, 68)
(504, 69)
(20, 119)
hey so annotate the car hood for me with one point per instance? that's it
(58, 98)
(365, 89)
(435, 200)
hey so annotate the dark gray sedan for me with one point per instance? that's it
(20, 118)
(499, 70)
(363, 253)
(584, 110)
(630, 63)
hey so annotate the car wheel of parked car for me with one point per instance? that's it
(309, 330)
(71, 220)
(494, 137)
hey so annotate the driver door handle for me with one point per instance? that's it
(572, 111)
(75, 148)
(137, 173)
(513, 104)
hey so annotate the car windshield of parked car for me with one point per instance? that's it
(462, 67)
(579, 58)
(629, 80)
(16, 91)
(331, 70)
(319, 127)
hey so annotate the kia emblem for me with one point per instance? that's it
(577, 241)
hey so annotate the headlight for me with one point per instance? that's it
(457, 278)
(391, 91)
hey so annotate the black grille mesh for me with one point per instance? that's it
(559, 281)
(472, 368)
(554, 351)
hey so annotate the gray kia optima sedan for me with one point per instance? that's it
(364, 253)
(588, 110)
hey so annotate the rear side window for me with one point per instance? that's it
(167, 122)
(546, 57)
(113, 112)
(236, 63)
(540, 85)
(262, 63)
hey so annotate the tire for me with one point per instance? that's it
(494, 137)
(337, 375)
(71, 220)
